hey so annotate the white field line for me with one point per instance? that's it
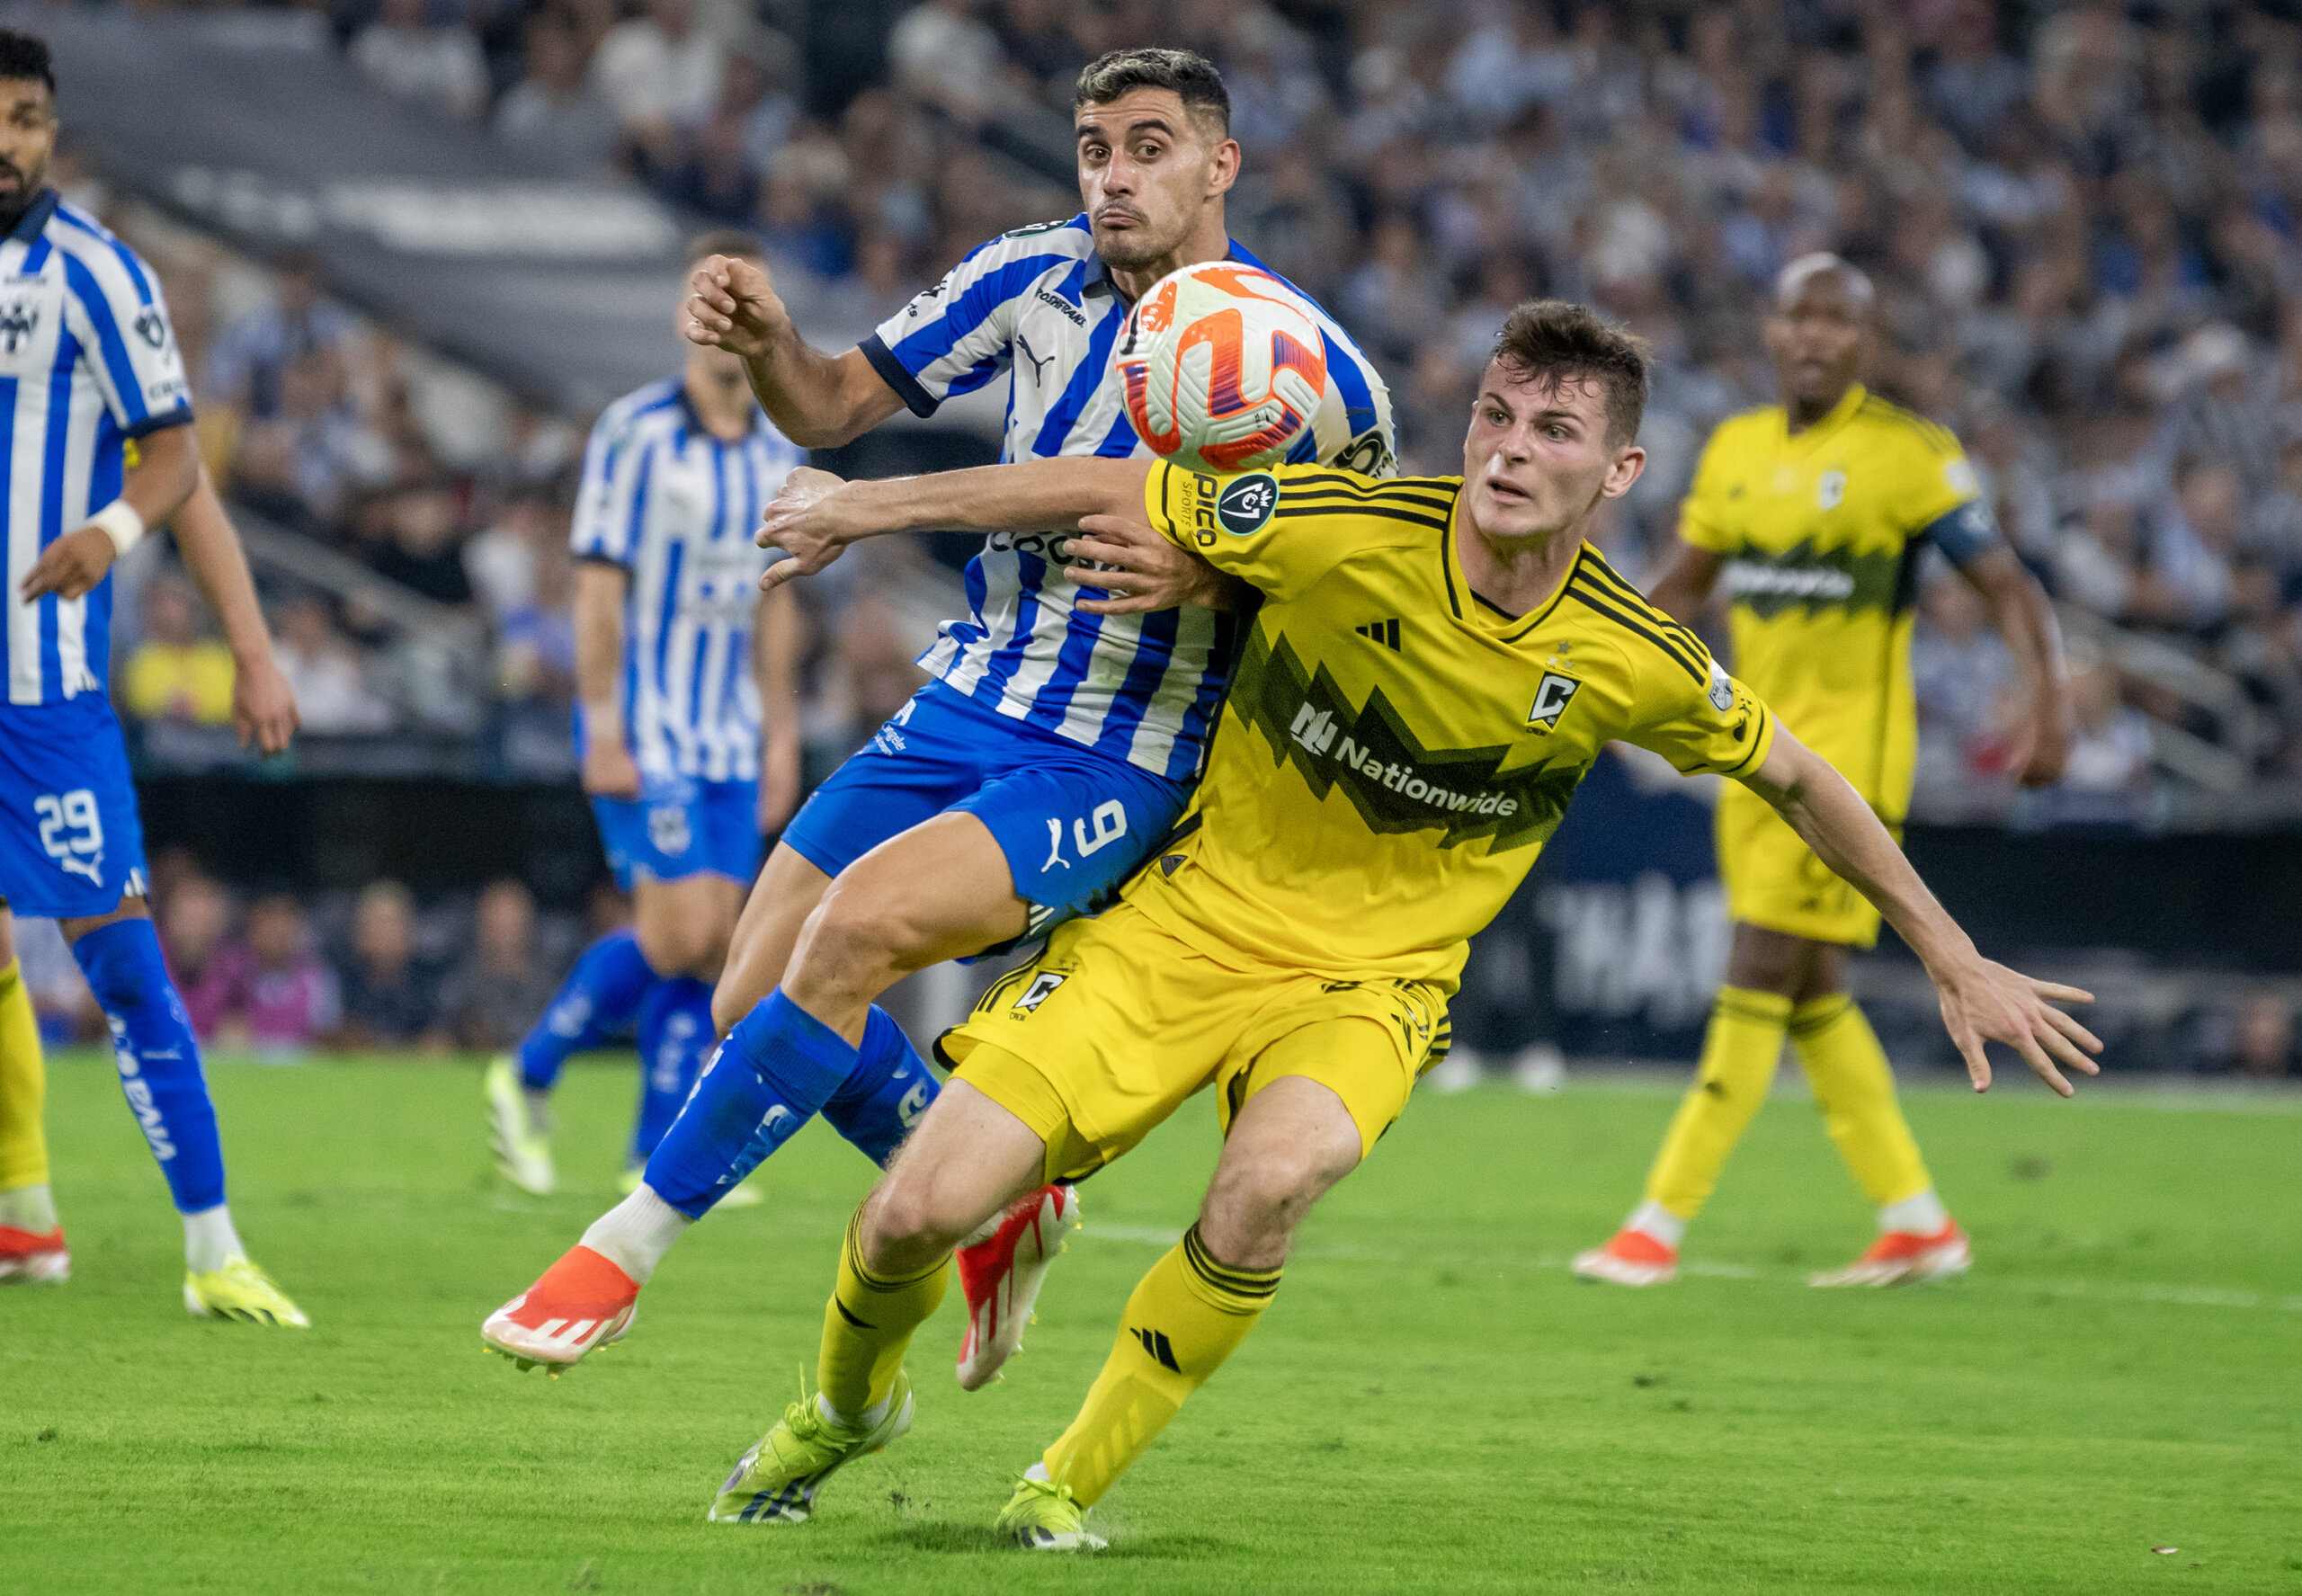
(2212, 1297)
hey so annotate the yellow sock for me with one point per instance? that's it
(1740, 1050)
(867, 1325)
(1856, 1089)
(23, 1086)
(1185, 1318)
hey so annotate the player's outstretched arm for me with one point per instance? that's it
(1144, 571)
(818, 514)
(608, 770)
(167, 469)
(1684, 588)
(263, 706)
(1982, 1000)
(819, 401)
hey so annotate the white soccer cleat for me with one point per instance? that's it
(523, 1152)
(1630, 1258)
(1901, 1258)
(1002, 1273)
(581, 1303)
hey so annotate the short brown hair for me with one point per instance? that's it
(1550, 341)
(724, 241)
(1189, 76)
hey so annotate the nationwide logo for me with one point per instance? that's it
(1803, 576)
(1393, 781)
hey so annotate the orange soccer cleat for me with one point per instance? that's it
(1630, 1258)
(1902, 1257)
(30, 1256)
(1001, 1275)
(581, 1303)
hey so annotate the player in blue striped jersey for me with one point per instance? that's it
(1069, 715)
(687, 726)
(94, 409)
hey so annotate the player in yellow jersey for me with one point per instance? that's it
(1815, 511)
(1434, 664)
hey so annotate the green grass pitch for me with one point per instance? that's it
(1433, 1403)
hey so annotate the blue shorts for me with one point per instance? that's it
(71, 845)
(1073, 824)
(678, 827)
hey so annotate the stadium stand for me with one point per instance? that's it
(413, 248)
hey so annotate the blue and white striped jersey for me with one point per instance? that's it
(87, 362)
(676, 508)
(1143, 687)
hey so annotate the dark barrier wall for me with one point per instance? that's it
(2219, 900)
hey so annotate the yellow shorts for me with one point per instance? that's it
(1774, 880)
(1095, 1042)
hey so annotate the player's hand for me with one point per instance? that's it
(2042, 749)
(807, 521)
(609, 771)
(71, 565)
(1983, 1000)
(263, 706)
(731, 305)
(1143, 569)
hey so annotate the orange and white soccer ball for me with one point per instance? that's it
(1223, 367)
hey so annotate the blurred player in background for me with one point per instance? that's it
(688, 723)
(93, 390)
(1059, 742)
(1817, 511)
(1368, 808)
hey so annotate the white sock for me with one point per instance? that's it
(1038, 1471)
(209, 1239)
(1923, 1214)
(1658, 1222)
(868, 1419)
(635, 1235)
(28, 1208)
(539, 1101)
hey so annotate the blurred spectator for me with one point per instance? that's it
(247, 363)
(660, 74)
(2264, 1040)
(2186, 581)
(418, 543)
(944, 52)
(404, 52)
(62, 1004)
(1969, 687)
(2108, 780)
(555, 112)
(278, 997)
(333, 697)
(389, 999)
(175, 672)
(491, 998)
(194, 914)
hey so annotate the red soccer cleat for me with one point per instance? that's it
(1902, 1257)
(1001, 1275)
(582, 1303)
(28, 1256)
(1630, 1258)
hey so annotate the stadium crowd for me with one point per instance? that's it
(2085, 224)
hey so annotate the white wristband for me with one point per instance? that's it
(121, 524)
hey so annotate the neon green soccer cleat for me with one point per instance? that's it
(776, 1482)
(522, 1152)
(1041, 1517)
(240, 1290)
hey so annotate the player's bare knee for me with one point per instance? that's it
(1763, 960)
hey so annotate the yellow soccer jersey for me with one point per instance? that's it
(1821, 534)
(1394, 751)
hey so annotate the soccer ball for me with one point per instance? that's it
(1223, 367)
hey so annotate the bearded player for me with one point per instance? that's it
(1061, 736)
(1368, 807)
(1816, 510)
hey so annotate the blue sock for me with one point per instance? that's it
(888, 1089)
(159, 1058)
(774, 1073)
(597, 1002)
(675, 1034)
